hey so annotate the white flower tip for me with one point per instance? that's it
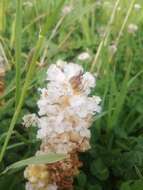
(52, 187)
(112, 49)
(137, 7)
(84, 56)
(67, 9)
(29, 120)
(132, 28)
(60, 63)
(28, 4)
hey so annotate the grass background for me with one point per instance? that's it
(34, 34)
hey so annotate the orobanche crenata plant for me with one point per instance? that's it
(66, 111)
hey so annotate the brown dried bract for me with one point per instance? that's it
(76, 82)
(63, 172)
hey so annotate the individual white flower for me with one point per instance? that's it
(88, 82)
(76, 101)
(84, 132)
(46, 108)
(63, 148)
(52, 187)
(112, 49)
(59, 129)
(97, 99)
(28, 4)
(60, 63)
(45, 127)
(55, 74)
(32, 186)
(60, 89)
(93, 104)
(137, 7)
(79, 103)
(84, 56)
(67, 9)
(29, 186)
(72, 70)
(98, 3)
(29, 120)
(39, 186)
(108, 4)
(132, 28)
(85, 145)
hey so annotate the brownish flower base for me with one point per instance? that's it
(63, 172)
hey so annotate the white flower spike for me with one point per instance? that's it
(66, 111)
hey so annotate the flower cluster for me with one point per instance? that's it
(65, 114)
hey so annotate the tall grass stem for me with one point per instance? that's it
(46, 27)
(18, 32)
(106, 34)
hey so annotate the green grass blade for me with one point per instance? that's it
(30, 73)
(125, 21)
(40, 159)
(106, 35)
(121, 96)
(18, 32)
(2, 15)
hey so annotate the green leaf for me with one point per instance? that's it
(137, 185)
(40, 159)
(94, 187)
(81, 179)
(12, 182)
(98, 169)
(132, 185)
(125, 186)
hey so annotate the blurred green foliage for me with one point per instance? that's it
(115, 160)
